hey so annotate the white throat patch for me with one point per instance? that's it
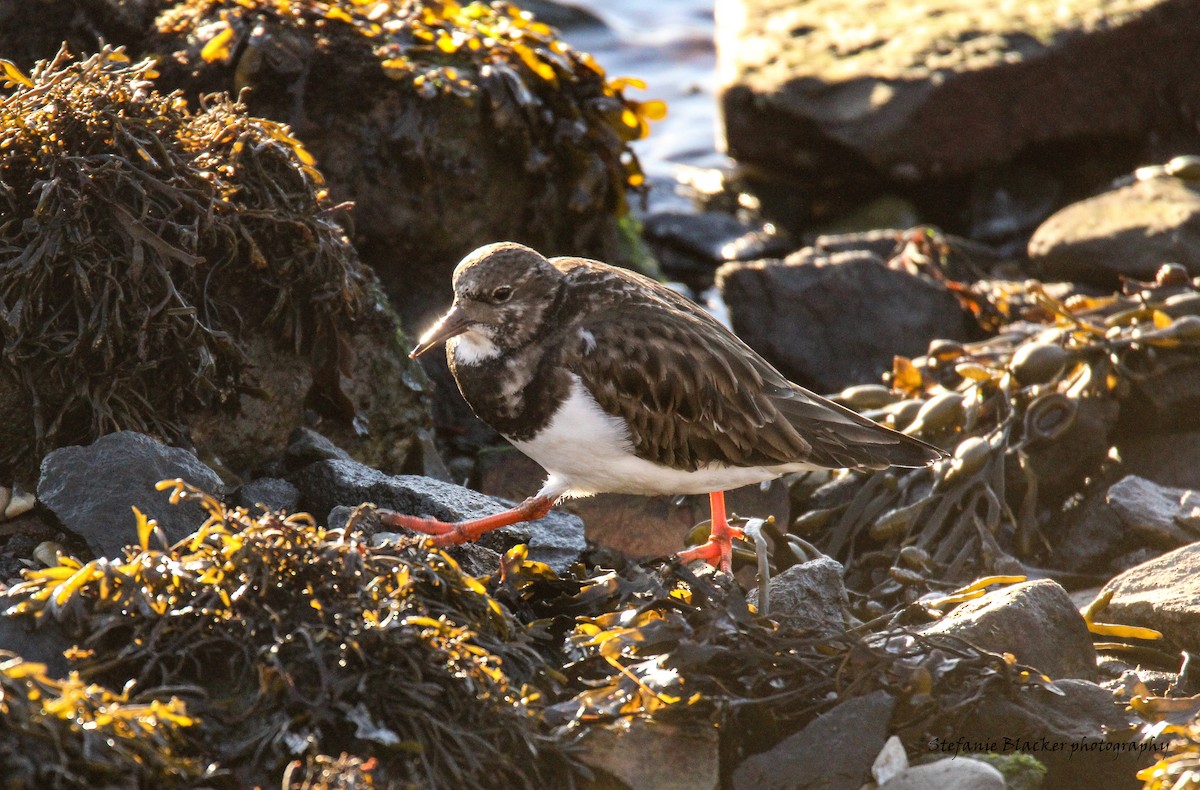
(472, 347)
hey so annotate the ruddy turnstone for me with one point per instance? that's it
(614, 383)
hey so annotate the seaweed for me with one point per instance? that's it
(1030, 414)
(305, 641)
(433, 48)
(289, 643)
(140, 241)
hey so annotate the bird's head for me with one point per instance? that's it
(501, 294)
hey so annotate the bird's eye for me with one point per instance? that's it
(502, 294)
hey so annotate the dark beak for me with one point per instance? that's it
(455, 322)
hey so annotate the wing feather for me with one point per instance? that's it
(691, 392)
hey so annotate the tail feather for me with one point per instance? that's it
(841, 437)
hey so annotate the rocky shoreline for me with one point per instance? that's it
(1021, 615)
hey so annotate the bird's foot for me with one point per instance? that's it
(452, 533)
(716, 551)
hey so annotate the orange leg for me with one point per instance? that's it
(718, 550)
(452, 533)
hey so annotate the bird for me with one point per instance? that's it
(615, 383)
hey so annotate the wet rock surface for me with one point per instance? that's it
(688, 245)
(1126, 232)
(1035, 621)
(91, 489)
(829, 321)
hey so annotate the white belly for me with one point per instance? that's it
(587, 451)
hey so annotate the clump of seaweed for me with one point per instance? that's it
(68, 733)
(437, 47)
(308, 642)
(1176, 719)
(140, 241)
(1030, 414)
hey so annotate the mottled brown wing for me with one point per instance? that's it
(692, 392)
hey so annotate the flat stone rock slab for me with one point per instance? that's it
(944, 87)
(556, 540)
(91, 490)
(1163, 594)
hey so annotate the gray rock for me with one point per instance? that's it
(1167, 517)
(306, 446)
(271, 492)
(1129, 231)
(1090, 538)
(1035, 621)
(1163, 593)
(1065, 731)
(856, 728)
(92, 489)
(1165, 399)
(830, 88)
(1167, 459)
(829, 322)
(651, 755)
(960, 773)
(555, 540)
(811, 596)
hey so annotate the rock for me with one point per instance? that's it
(270, 492)
(92, 489)
(651, 755)
(1090, 538)
(686, 244)
(1129, 231)
(1035, 621)
(1163, 593)
(1167, 517)
(960, 773)
(306, 446)
(831, 322)
(638, 526)
(1066, 732)
(382, 417)
(35, 639)
(1171, 460)
(555, 540)
(858, 727)
(811, 596)
(1164, 400)
(838, 88)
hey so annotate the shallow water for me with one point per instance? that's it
(668, 45)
